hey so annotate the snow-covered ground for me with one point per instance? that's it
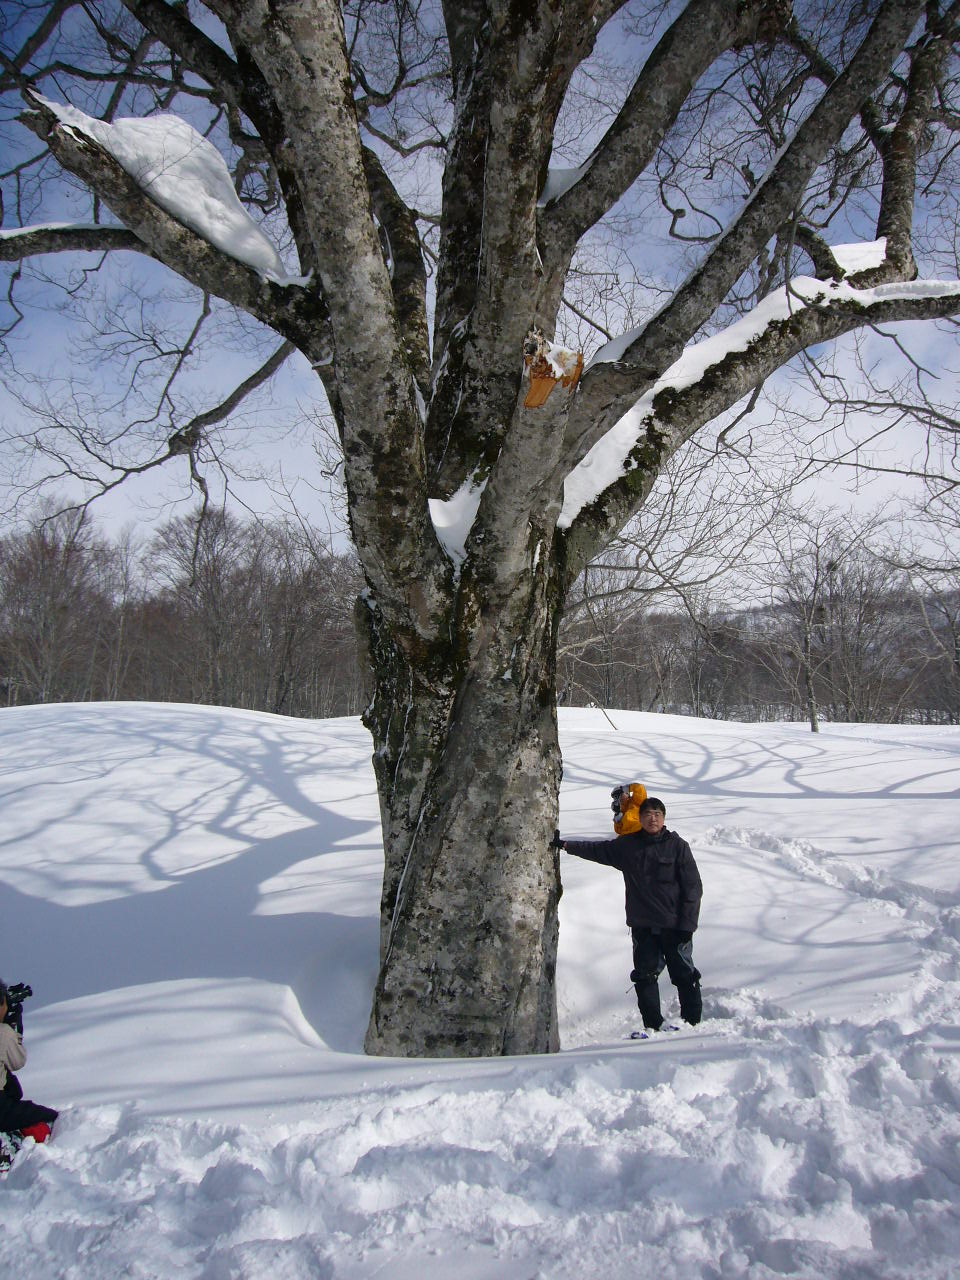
(192, 894)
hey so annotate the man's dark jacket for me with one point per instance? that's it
(660, 874)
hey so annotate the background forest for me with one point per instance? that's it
(840, 626)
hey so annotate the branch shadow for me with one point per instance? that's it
(199, 921)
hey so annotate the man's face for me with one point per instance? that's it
(652, 820)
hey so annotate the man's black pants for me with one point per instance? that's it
(17, 1112)
(652, 949)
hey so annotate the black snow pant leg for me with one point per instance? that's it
(691, 1002)
(648, 962)
(684, 975)
(21, 1114)
(12, 1089)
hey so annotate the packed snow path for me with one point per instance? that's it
(192, 894)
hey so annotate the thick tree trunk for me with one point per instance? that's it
(468, 769)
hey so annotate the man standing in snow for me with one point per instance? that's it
(663, 907)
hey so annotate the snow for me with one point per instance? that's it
(187, 176)
(453, 519)
(861, 256)
(562, 362)
(560, 181)
(11, 233)
(607, 460)
(192, 892)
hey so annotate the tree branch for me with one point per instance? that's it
(488, 247)
(826, 72)
(34, 43)
(240, 85)
(170, 24)
(290, 309)
(300, 51)
(462, 19)
(667, 418)
(407, 271)
(184, 442)
(25, 242)
(608, 390)
(902, 146)
(818, 251)
(222, 411)
(700, 34)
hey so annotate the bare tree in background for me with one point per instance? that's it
(484, 465)
(681, 552)
(58, 584)
(261, 613)
(838, 635)
(250, 614)
(928, 550)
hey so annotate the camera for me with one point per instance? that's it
(15, 998)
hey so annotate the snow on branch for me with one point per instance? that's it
(609, 459)
(186, 176)
(860, 256)
(560, 181)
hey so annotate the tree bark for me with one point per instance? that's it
(468, 769)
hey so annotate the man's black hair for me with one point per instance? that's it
(652, 802)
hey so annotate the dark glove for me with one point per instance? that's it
(682, 935)
(556, 842)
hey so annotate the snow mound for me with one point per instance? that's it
(801, 1158)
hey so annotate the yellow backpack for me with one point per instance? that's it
(626, 807)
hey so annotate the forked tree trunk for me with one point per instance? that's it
(468, 769)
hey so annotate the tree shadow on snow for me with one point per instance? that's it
(202, 922)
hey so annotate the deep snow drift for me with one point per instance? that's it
(192, 894)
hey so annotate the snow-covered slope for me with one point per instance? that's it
(192, 894)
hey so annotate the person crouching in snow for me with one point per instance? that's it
(17, 1114)
(663, 890)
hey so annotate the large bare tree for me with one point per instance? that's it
(410, 231)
